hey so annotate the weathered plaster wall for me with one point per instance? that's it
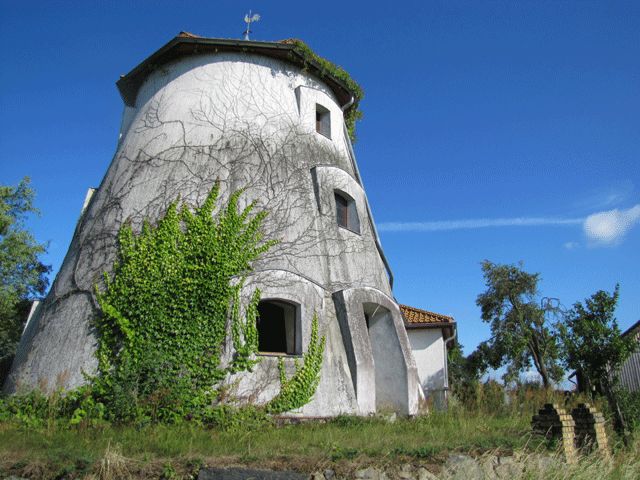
(393, 380)
(249, 122)
(429, 353)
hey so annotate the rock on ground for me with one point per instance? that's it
(248, 474)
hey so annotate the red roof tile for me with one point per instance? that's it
(415, 316)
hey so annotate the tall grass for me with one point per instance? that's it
(496, 424)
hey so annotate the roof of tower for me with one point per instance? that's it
(185, 44)
(418, 318)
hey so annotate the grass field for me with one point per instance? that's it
(343, 444)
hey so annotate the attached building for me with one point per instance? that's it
(630, 371)
(430, 335)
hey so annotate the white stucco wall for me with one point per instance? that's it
(428, 349)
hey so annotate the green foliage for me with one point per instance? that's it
(168, 471)
(300, 388)
(31, 409)
(417, 452)
(456, 363)
(327, 68)
(593, 346)
(165, 311)
(592, 342)
(520, 333)
(465, 372)
(23, 277)
(630, 405)
(236, 419)
(340, 453)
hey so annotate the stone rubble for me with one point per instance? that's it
(457, 467)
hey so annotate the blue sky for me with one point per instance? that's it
(492, 130)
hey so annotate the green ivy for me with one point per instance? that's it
(165, 309)
(300, 388)
(327, 68)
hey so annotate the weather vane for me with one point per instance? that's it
(249, 19)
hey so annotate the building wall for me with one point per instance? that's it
(630, 373)
(248, 122)
(428, 349)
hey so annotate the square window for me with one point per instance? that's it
(277, 327)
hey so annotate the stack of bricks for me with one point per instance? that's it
(589, 429)
(554, 422)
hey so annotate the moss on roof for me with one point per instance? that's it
(353, 113)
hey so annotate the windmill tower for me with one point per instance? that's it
(258, 116)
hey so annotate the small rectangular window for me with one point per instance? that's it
(323, 121)
(346, 212)
(342, 211)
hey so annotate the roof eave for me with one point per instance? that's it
(129, 84)
(631, 329)
(430, 325)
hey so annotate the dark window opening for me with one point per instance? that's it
(323, 121)
(277, 327)
(346, 212)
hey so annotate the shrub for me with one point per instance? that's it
(630, 405)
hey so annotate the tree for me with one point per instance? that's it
(464, 374)
(520, 332)
(23, 277)
(592, 345)
(464, 370)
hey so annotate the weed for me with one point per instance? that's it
(113, 465)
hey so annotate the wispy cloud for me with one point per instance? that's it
(601, 229)
(610, 227)
(443, 225)
(607, 197)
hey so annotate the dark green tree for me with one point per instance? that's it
(23, 277)
(464, 370)
(592, 345)
(464, 374)
(521, 334)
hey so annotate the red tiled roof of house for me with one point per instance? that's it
(416, 316)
